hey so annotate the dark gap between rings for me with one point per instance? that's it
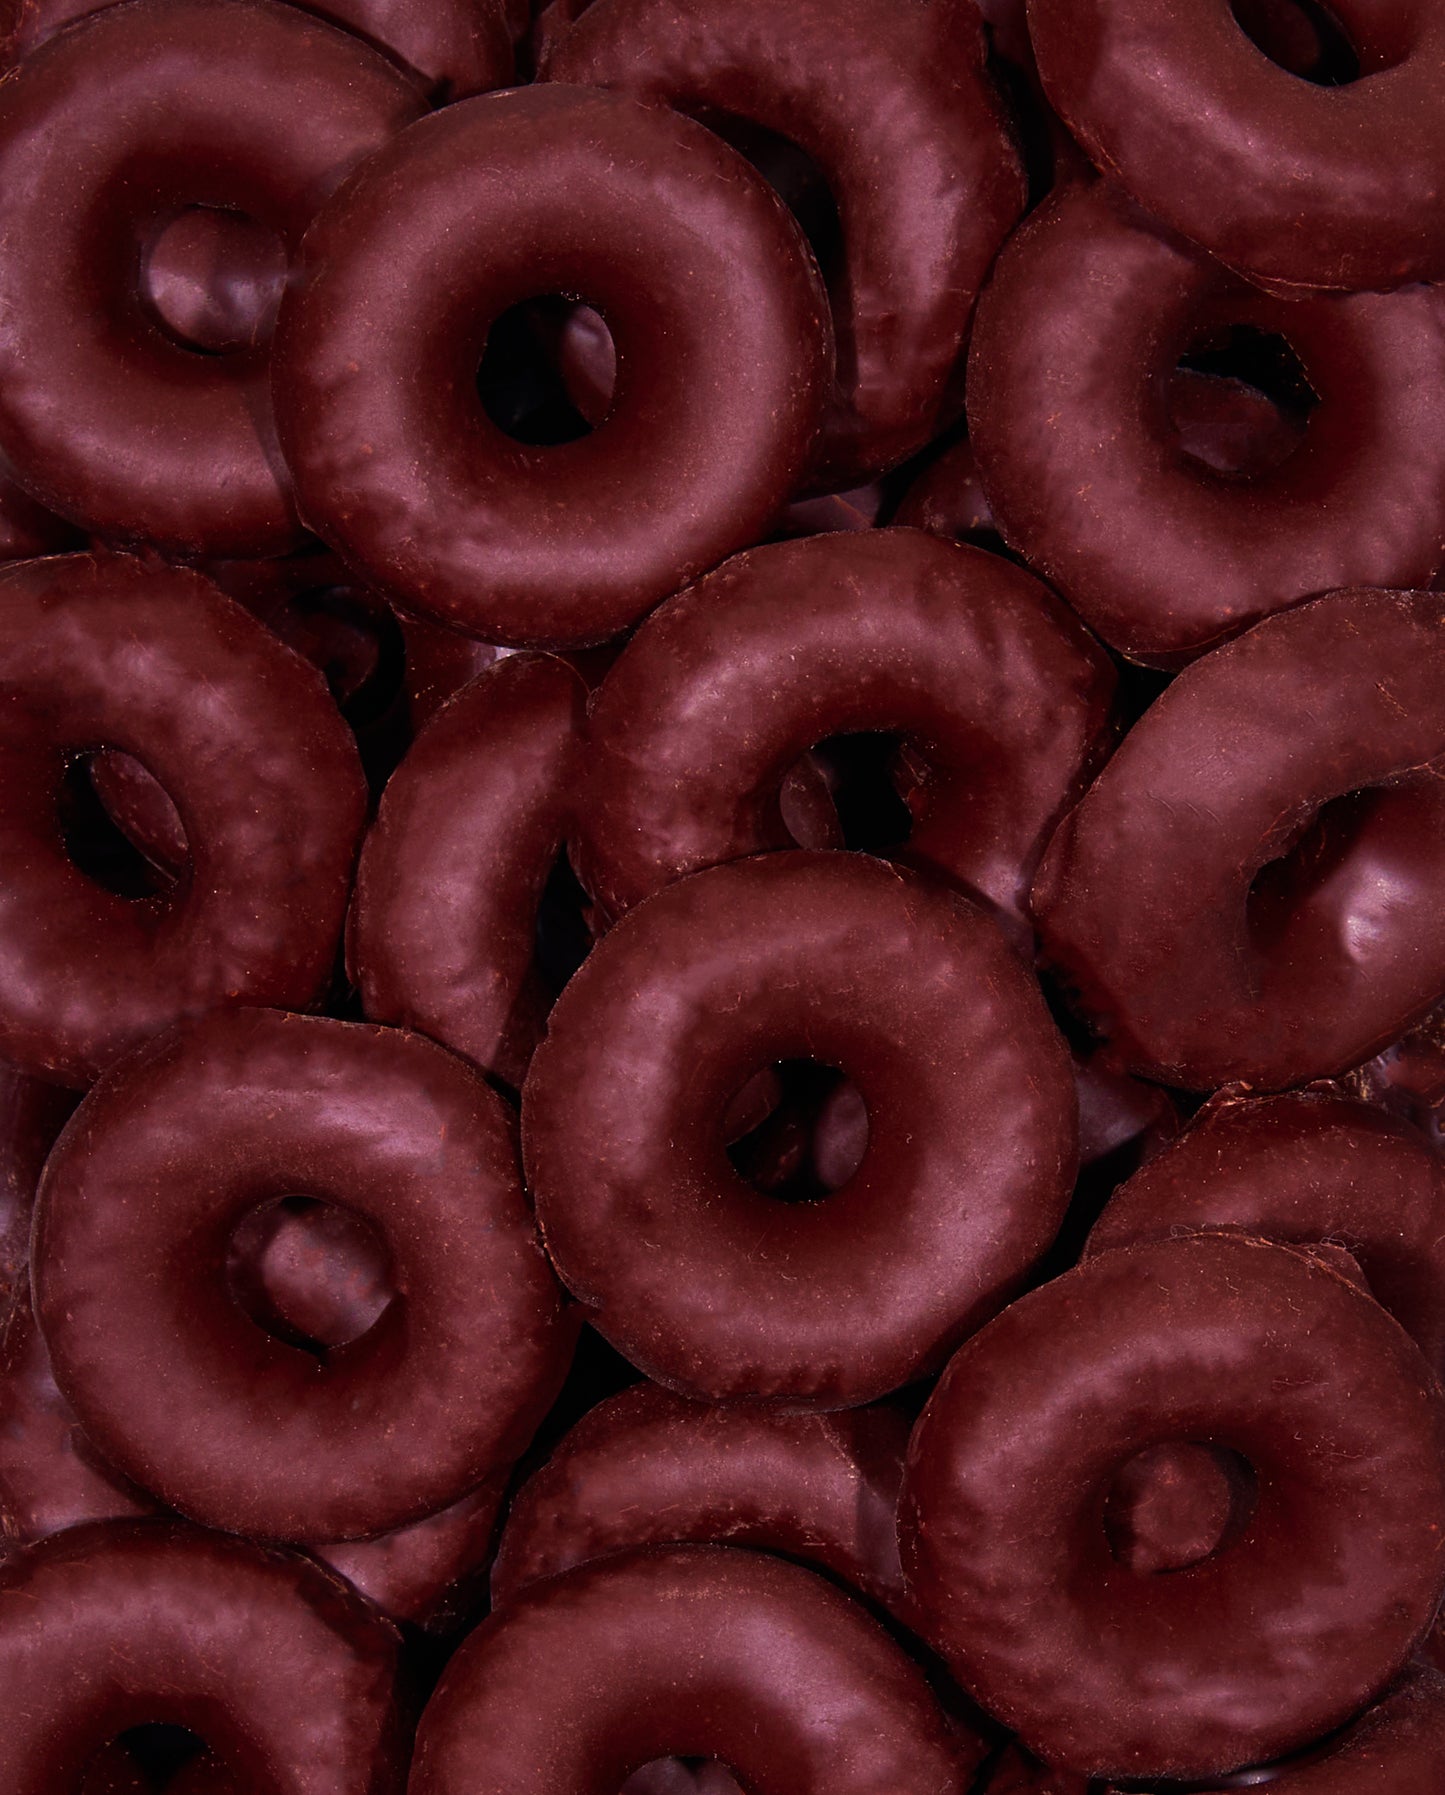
(123, 838)
(547, 371)
(810, 1138)
(356, 644)
(797, 179)
(680, 1776)
(1171, 1506)
(1240, 401)
(309, 1273)
(1321, 844)
(155, 1752)
(1302, 37)
(847, 792)
(564, 935)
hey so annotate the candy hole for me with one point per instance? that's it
(118, 825)
(1315, 849)
(309, 1273)
(682, 1776)
(1302, 37)
(847, 792)
(547, 371)
(812, 1138)
(1239, 400)
(1175, 1504)
(213, 279)
(147, 1759)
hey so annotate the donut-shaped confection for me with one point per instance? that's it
(1303, 1168)
(1001, 699)
(101, 651)
(1292, 183)
(188, 1137)
(697, 1651)
(718, 1291)
(1078, 337)
(288, 1678)
(646, 1468)
(896, 109)
(1331, 1570)
(109, 134)
(442, 934)
(699, 271)
(1248, 891)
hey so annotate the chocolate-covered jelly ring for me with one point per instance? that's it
(1291, 182)
(101, 651)
(1248, 890)
(190, 1136)
(896, 109)
(108, 133)
(1077, 341)
(698, 270)
(718, 1291)
(442, 935)
(699, 1651)
(1002, 700)
(1300, 1617)
(288, 1677)
(646, 1467)
(1303, 1168)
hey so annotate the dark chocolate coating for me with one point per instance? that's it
(895, 107)
(26, 527)
(1304, 1168)
(1293, 183)
(647, 1468)
(184, 1140)
(699, 271)
(287, 1676)
(1199, 965)
(1078, 336)
(109, 130)
(103, 651)
(705, 1284)
(442, 930)
(1003, 702)
(700, 1651)
(1297, 1621)
(439, 662)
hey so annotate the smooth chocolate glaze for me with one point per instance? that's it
(912, 993)
(646, 1468)
(699, 271)
(1073, 362)
(104, 651)
(285, 1674)
(188, 1137)
(1304, 1168)
(107, 133)
(1249, 889)
(1293, 183)
(698, 1651)
(1001, 699)
(1322, 1587)
(895, 108)
(442, 934)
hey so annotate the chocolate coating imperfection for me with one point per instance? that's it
(718, 1291)
(102, 651)
(701, 1651)
(1001, 699)
(189, 1136)
(1320, 1590)
(895, 108)
(107, 133)
(1073, 363)
(1248, 891)
(699, 271)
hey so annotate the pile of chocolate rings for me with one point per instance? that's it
(722, 897)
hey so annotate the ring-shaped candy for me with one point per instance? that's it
(1072, 370)
(288, 1677)
(187, 1138)
(107, 133)
(698, 270)
(1292, 183)
(101, 651)
(697, 1651)
(1249, 890)
(718, 1291)
(896, 108)
(1303, 1614)
(1003, 702)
